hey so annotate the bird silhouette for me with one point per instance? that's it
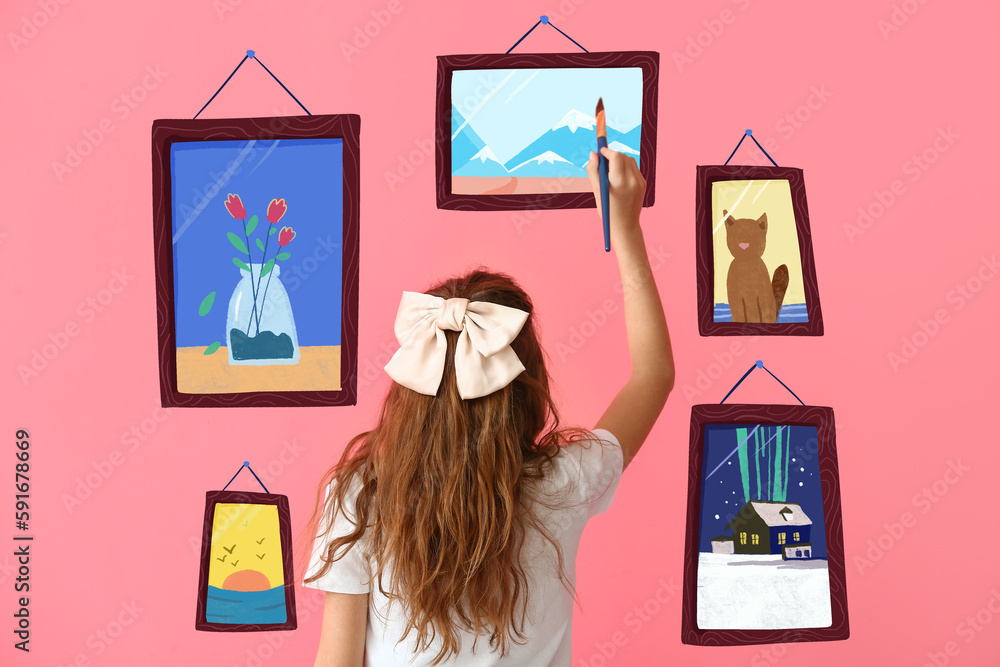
(230, 549)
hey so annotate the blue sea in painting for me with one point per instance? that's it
(246, 607)
(790, 312)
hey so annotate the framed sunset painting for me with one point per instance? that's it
(246, 579)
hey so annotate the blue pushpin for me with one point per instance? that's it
(760, 364)
(747, 132)
(250, 53)
(246, 464)
(544, 19)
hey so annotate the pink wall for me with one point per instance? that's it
(931, 252)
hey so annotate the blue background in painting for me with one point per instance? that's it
(308, 174)
(720, 440)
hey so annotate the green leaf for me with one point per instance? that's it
(238, 243)
(212, 348)
(284, 255)
(251, 224)
(206, 304)
(267, 268)
(274, 230)
(240, 263)
(260, 244)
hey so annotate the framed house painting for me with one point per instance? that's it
(755, 267)
(256, 248)
(515, 131)
(764, 551)
(246, 581)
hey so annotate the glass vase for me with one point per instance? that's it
(261, 331)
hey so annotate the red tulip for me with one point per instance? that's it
(235, 207)
(275, 210)
(285, 236)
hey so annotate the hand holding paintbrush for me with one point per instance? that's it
(618, 186)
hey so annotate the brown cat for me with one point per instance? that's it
(753, 296)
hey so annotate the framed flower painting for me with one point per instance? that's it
(256, 247)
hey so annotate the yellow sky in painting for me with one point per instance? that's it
(749, 199)
(241, 534)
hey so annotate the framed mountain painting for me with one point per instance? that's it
(256, 247)
(515, 131)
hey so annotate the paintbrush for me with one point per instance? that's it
(602, 166)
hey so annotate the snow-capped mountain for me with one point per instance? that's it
(574, 120)
(565, 141)
(466, 143)
(622, 148)
(547, 164)
(557, 152)
(483, 163)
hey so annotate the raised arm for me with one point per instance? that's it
(635, 408)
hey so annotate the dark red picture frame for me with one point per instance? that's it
(648, 61)
(346, 127)
(705, 258)
(213, 498)
(826, 450)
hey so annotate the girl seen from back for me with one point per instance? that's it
(449, 532)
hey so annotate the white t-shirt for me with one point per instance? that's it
(586, 474)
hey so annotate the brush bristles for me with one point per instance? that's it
(602, 130)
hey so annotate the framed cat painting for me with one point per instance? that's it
(755, 266)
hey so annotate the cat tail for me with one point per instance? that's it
(779, 283)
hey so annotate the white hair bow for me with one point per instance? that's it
(484, 360)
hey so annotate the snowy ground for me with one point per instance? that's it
(762, 592)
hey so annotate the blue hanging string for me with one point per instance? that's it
(221, 87)
(759, 364)
(252, 56)
(748, 133)
(545, 20)
(300, 103)
(246, 464)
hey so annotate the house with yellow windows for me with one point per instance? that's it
(766, 527)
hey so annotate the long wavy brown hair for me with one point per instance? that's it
(447, 491)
